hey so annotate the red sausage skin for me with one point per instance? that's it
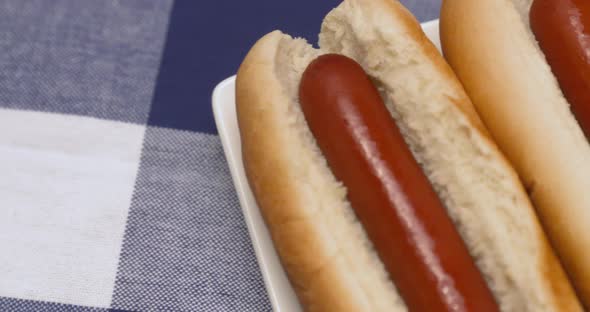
(562, 28)
(402, 215)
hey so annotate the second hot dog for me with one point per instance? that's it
(562, 28)
(526, 66)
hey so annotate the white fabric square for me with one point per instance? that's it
(66, 184)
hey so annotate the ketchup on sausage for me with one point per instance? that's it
(402, 215)
(562, 28)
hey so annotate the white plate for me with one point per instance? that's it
(279, 290)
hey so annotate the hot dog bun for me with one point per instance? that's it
(491, 47)
(323, 248)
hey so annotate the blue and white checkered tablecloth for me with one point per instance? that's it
(114, 190)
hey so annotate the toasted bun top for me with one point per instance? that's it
(493, 51)
(325, 251)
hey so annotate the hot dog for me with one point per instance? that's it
(526, 66)
(330, 192)
(562, 28)
(401, 213)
